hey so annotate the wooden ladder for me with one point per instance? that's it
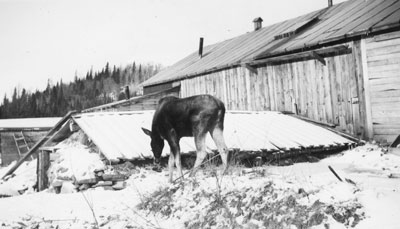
(41, 142)
(21, 143)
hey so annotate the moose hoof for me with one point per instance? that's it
(157, 169)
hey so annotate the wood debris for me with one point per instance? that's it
(102, 180)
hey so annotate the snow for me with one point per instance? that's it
(24, 179)
(74, 162)
(29, 122)
(368, 197)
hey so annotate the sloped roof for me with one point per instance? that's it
(119, 134)
(345, 20)
(28, 123)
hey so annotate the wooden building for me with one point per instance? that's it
(145, 102)
(17, 136)
(338, 65)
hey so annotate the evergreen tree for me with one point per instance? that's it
(14, 104)
(107, 71)
(23, 104)
(115, 75)
(5, 107)
(89, 76)
(140, 74)
(123, 78)
(133, 78)
(93, 89)
(33, 106)
(60, 100)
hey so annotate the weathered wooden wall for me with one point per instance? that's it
(383, 61)
(327, 93)
(9, 152)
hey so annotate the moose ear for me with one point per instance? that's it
(146, 131)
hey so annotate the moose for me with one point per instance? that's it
(193, 116)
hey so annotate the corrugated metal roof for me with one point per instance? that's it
(340, 21)
(28, 123)
(119, 134)
(345, 20)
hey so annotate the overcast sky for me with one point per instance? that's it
(53, 39)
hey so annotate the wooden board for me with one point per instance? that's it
(391, 100)
(320, 92)
(385, 137)
(383, 56)
(43, 166)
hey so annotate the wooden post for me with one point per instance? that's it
(368, 109)
(43, 166)
(318, 57)
(334, 173)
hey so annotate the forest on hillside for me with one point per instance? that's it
(94, 89)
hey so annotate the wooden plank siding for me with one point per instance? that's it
(9, 152)
(383, 58)
(326, 93)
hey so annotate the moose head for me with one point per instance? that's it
(157, 144)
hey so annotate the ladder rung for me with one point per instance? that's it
(22, 146)
(19, 139)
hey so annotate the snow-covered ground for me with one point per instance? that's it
(304, 195)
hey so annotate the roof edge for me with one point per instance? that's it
(11, 129)
(325, 43)
(347, 37)
(339, 39)
(122, 102)
(189, 76)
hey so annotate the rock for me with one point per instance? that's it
(119, 185)
(157, 168)
(88, 181)
(57, 186)
(98, 188)
(99, 170)
(68, 187)
(62, 170)
(64, 178)
(84, 187)
(103, 183)
(114, 177)
(108, 188)
(22, 191)
(99, 174)
(57, 183)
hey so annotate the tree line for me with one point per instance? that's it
(93, 89)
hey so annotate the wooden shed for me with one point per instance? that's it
(17, 136)
(338, 65)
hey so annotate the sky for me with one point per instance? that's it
(43, 40)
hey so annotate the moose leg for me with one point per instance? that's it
(175, 155)
(178, 162)
(171, 161)
(200, 141)
(218, 137)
